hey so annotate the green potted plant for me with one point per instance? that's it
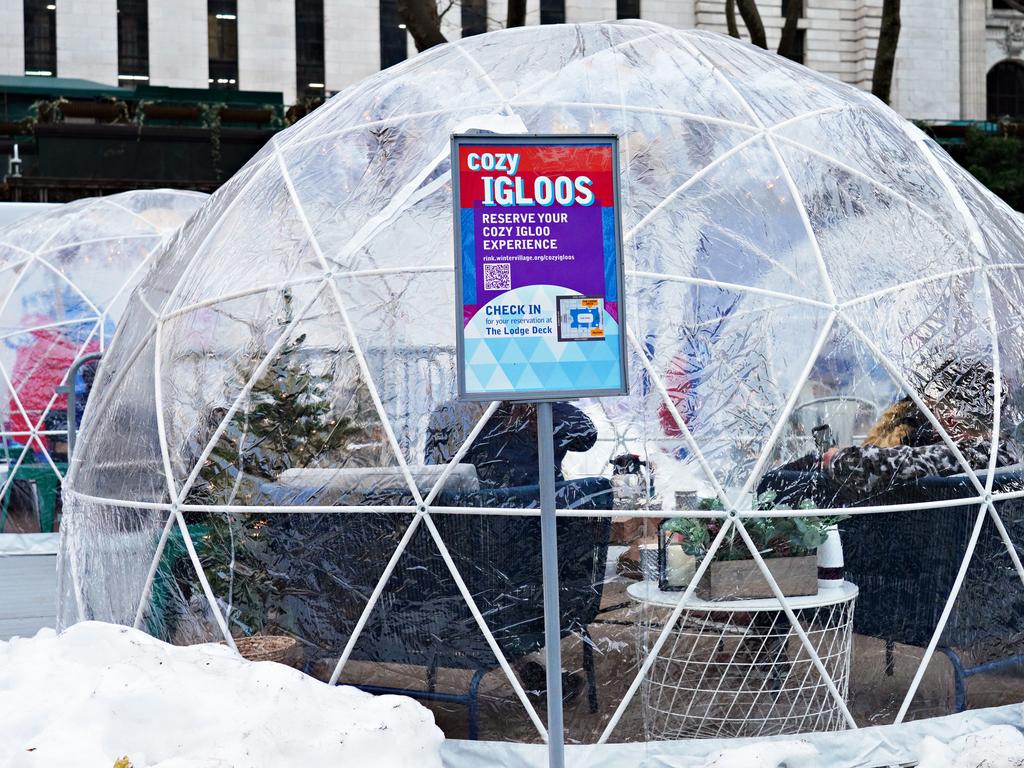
(788, 546)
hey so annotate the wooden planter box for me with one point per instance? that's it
(742, 579)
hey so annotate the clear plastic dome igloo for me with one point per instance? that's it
(824, 322)
(68, 272)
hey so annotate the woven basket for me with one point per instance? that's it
(280, 648)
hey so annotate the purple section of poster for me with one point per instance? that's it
(575, 261)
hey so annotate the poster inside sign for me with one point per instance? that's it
(538, 267)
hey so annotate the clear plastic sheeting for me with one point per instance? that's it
(825, 348)
(67, 273)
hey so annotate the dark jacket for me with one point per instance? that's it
(505, 452)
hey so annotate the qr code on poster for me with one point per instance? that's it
(497, 277)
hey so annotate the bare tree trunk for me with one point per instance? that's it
(423, 22)
(730, 18)
(790, 33)
(752, 18)
(516, 13)
(885, 57)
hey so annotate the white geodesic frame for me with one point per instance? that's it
(65, 219)
(733, 515)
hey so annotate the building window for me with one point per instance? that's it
(309, 48)
(1005, 91)
(132, 41)
(627, 9)
(552, 11)
(392, 35)
(41, 38)
(474, 17)
(1002, 5)
(222, 27)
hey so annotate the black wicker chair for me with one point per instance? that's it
(326, 566)
(905, 563)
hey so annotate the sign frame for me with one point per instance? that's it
(528, 140)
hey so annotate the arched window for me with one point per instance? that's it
(1005, 89)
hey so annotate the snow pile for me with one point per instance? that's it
(1001, 746)
(769, 754)
(100, 692)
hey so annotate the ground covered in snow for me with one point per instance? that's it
(100, 692)
(1000, 746)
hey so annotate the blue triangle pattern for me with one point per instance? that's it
(528, 379)
(583, 376)
(513, 353)
(600, 351)
(482, 373)
(499, 380)
(542, 353)
(571, 352)
(553, 375)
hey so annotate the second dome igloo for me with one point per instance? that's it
(68, 272)
(795, 253)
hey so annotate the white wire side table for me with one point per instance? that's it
(737, 668)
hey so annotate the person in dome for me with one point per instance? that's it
(505, 455)
(904, 445)
(505, 451)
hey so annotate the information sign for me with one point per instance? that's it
(538, 267)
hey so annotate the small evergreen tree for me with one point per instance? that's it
(289, 420)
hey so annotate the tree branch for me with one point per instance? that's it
(730, 18)
(1016, 5)
(752, 18)
(885, 57)
(790, 31)
(516, 13)
(423, 22)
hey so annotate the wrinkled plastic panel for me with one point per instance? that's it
(825, 327)
(67, 275)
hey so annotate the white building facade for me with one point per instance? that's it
(957, 59)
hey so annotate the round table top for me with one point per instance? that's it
(648, 592)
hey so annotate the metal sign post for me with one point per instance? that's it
(549, 560)
(539, 307)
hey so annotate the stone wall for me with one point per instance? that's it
(842, 38)
(671, 12)
(1003, 37)
(926, 82)
(351, 43)
(87, 40)
(178, 44)
(946, 46)
(577, 11)
(266, 47)
(12, 38)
